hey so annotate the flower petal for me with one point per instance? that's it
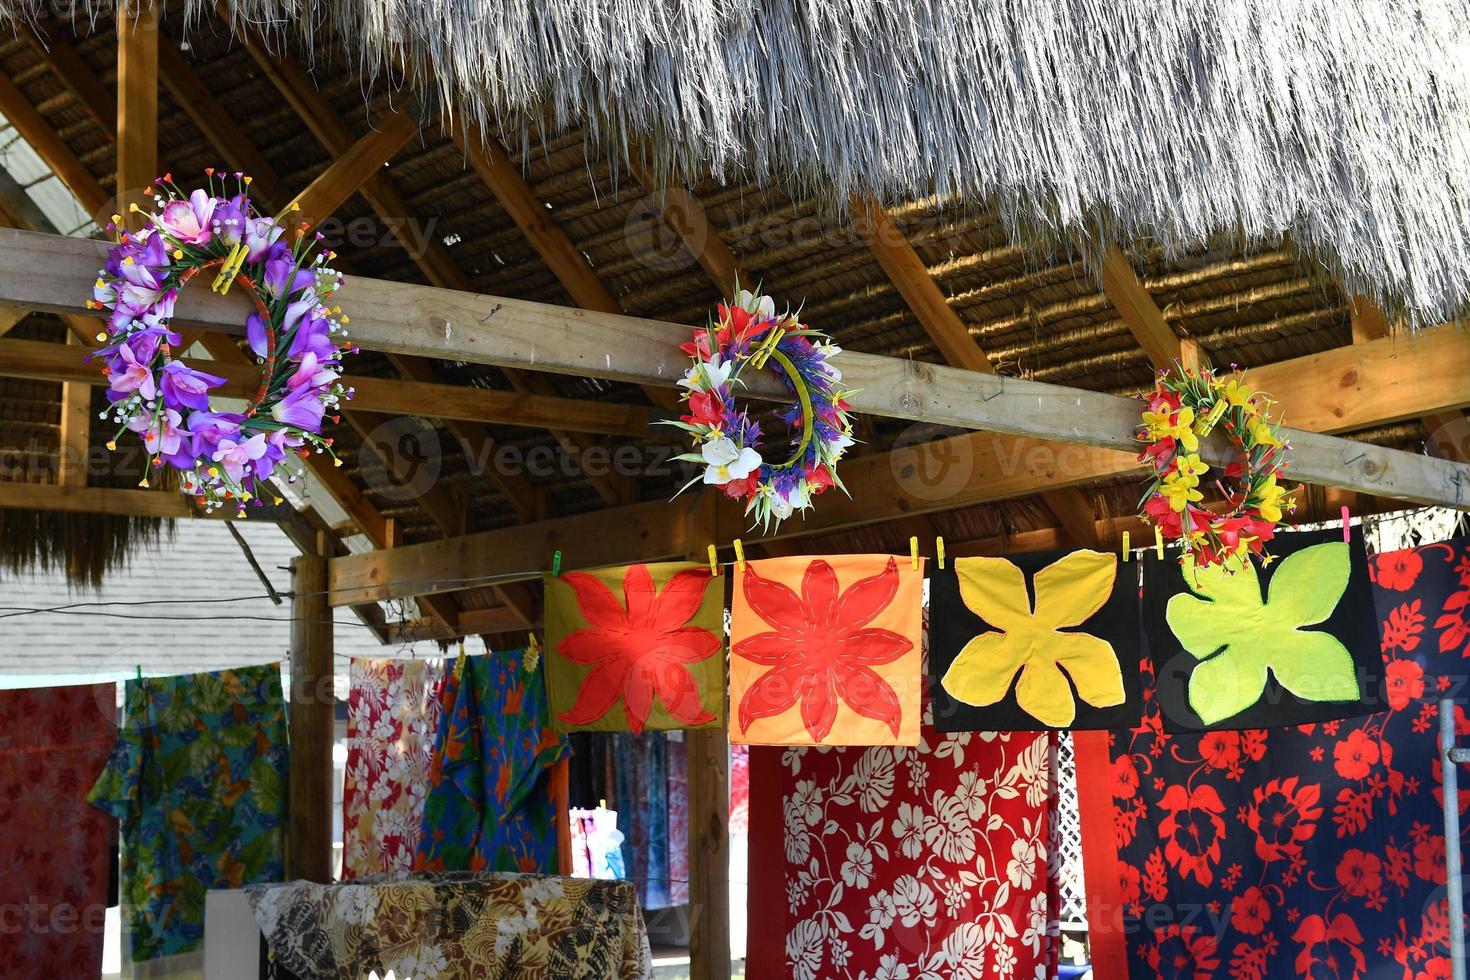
(599, 606)
(771, 600)
(995, 590)
(772, 693)
(871, 696)
(874, 647)
(680, 599)
(982, 672)
(770, 649)
(589, 647)
(638, 685)
(819, 703)
(866, 598)
(819, 593)
(600, 690)
(1073, 588)
(680, 694)
(1043, 693)
(686, 645)
(639, 593)
(1093, 666)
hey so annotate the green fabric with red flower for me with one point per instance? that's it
(1315, 851)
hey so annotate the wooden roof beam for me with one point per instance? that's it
(684, 214)
(1447, 429)
(36, 131)
(908, 274)
(1131, 299)
(41, 271)
(354, 167)
(137, 110)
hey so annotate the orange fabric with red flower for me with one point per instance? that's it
(825, 651)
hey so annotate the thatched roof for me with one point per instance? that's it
(1341, 125)
(1036, 311)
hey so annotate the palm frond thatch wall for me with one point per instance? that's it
(82, 546)
(1343, 125)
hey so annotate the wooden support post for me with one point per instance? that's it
(309, 837)
(76, 428)
(708, 767)
(137, 110)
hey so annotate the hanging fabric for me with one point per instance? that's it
(392, 717)
(54, 847)
(198, 780)
(1035, 641)
(488, 805)
(636, 648)
(1287, 642)
(1305, 851)
(825, 651)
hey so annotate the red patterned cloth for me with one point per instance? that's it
(392, 714)
(54, 845)
(1314, 851)
(902, 862)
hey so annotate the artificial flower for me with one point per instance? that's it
(1261, 431)
(164, 437)
(1269, 496)
(235, 457)
(1180, 492)
(752, 303)
(1191, 467)
(302, 408)
(184, 387)
(189, 221)
(256, 336)
(726, 461)
(1237, 393)
(135, 375)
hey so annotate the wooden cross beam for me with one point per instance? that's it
(42, 272)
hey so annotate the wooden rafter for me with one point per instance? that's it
(432, 259)
(353, 167)
(908, 274)
(53, 362)
(1131, 299)
(36, 271)
(547, 238)
(1370, 323)
(36, 131)
(684, 213)
(137, 109)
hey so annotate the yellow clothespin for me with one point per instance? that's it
(739, 555)
(1127, 544)
(459, 661)
(939, 551)
(714, 565)
(914, 551)
(1159, 542)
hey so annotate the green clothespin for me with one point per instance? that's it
(139, 668)
(556, 564)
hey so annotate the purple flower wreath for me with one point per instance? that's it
(748, 332)
(296, 338)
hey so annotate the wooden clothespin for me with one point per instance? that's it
(714, 565)
(914, 551)
(556, 564)
(739, 555)
(1347, 528)
(1127, 544)
(459, 661)
(1159, 542)
(939, 551)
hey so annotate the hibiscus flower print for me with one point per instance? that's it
(1250, 911)
(1193, 830)
(820, 652)
(1330, 949)
(1355, 756)
(1182, 952)
(1404, 682)
(1283, 815)
(1397, 570)
(1360, 873)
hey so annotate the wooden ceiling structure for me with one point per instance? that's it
(532, 302)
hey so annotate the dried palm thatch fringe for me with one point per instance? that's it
(1341, 124)
(84, 546)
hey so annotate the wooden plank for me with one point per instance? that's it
(1138, 309)
(570, 266)
(94, 500)
(213, 120)
(36, 131)
(76, 428)
(349, 171)
(650, 530)
(54, 362)
(10, 317)
(40, 272)
(471, 622)
(137, 111)
(908, 274)
(1446, 429)
(311, 721)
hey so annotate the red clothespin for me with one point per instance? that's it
(1347, 529)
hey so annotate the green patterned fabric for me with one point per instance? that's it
(198, 781)
(488, 806)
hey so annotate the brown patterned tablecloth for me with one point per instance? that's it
(455, 924)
